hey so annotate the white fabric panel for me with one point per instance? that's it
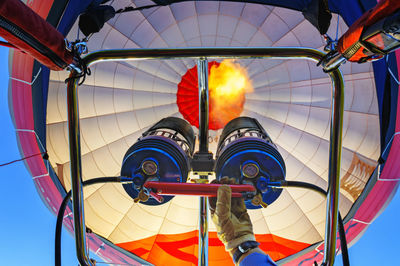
(56, 76)
(287, 40)
(133, 19)
(255, 15)
(369, 146)
(146, 117)
(132, 138)
(164, 86)
(233, 9)
(157, 42)
(298, 116)
(89, 190)
(122, 100)
(163, 98)
(142, 81)
(57, 114)
(291, 17)
(56, 142)
(178, 67)
(365, 91)
(182, 11)
(313, 38)
(127, 123)
(207, 25)
(301, 92)
(144, 34)
(298, 70)
(106, 163)
(142, 99)
(91, 134)
(260, 39)
(104, 74)
(99, 220)
(206, 8)
(165, 110)
(183, 216)
(109, 128)
(306, 147)
(114, 39)
(123, 77)
(274, 34)
(169, 227)
(117, 150)
(260, 225)
(244, 31)
(282, 220)
(277, 75)
(161, 19)
(226, 26)
(173, 37)
(165, 72)
(131, 226)
(222, 41)
(97, 40)
(120, 201)
(189, 28)
(318, 122)
(321, 93)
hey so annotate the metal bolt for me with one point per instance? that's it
(262, 184)
(250, 170)
(257, 200)
(149, 167)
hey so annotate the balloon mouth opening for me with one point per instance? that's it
(228, 84)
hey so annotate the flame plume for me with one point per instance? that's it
(228, 83)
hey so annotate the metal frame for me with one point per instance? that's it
(202, 77)
(223, 52)
(76, 170)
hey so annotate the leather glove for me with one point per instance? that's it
(230, 217)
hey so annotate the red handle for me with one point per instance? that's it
(207, 190)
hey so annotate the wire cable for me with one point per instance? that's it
(45, 156)
(63, 207)
(342, 234)
(131, 8)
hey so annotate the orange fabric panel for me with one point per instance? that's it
(182, 249)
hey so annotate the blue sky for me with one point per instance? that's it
(27, 226)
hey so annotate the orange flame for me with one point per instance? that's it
(228, 83)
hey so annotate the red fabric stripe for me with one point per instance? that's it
(397, 53)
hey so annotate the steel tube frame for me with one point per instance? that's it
(335, 153)
(222, 52)
(76, 170)
(202, 76)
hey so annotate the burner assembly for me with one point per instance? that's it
(246, 152)
(164, 155)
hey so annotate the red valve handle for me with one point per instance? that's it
(206, 190)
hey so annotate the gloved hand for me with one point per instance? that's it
(230, 217)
